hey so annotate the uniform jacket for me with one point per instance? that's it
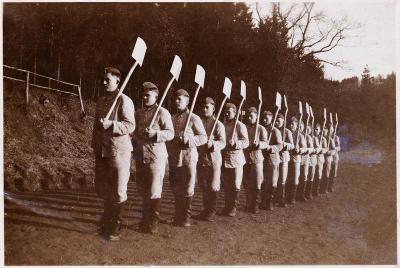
(256, 156)
(287, 140)
(276, 144)
(323, 148)
(212, 156)
(312, 143)
(302, 143)
(234, 157)
(152, 150)
(179, 155)
(116, 139)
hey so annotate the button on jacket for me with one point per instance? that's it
(151, 150)
(287, 140)
(212, 156)
(234, 157)
(256, 156)
(188, 156)
(276, 144)
(116, 139)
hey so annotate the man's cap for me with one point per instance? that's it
(267, 113)
(208, 100)
(280, 116)
(230, 105)
(294, 119)
(252, 110)
(149, 86)
(181, 92)
(318, 125)
(113, 71)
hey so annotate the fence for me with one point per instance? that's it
(29, 75)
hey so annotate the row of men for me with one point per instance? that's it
(279, 164)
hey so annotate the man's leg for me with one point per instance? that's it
(101, 175)
(119, 186)
(143, 184)
(157, 173)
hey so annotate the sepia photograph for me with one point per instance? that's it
(199, 133)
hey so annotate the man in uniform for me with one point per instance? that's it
(305, 164)
(113, 148)
(312, 145)
(333, 155)
(321, 150)
(151, 155)
(210, 161)
(300, 147)
(271, 165)
(234, 159)
(328, 163)
(183, 157)
(254, 170)
(335, 161)
(287, 140)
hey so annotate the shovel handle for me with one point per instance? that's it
(216, 119)
(161, 102)
(121, 90)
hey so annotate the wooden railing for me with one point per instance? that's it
(29, 84)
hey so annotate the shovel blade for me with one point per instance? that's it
(227, 87)
(139, 51)
(242, 89)
(176, 67)
(200, 76)
(330, 118)
(324, 113)
(259, 94)
(278, 100)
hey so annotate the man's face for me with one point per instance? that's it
(230, 113)
(267, 119)
(301, 127)
(279, 122)
(325, 132)
(110, 82)
(208, 110)
(317, 130)
(293, 126)
(181, 102)
(149, 98)
(309, 129)
(252, 117)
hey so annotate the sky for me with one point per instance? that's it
(373, 43)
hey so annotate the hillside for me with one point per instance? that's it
(46, 144)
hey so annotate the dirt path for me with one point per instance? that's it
(354, 225)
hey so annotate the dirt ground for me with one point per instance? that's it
(356, 224)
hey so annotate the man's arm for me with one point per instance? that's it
(127, 124)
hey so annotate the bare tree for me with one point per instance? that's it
(312, 33)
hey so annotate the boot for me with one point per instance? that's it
(234, 203)
(203, 214)
(270, 195)
(277, 195)
(292, 195)
(263, 197)
(186, 210)
(144, 222)
(254, 202)
(228, 202)
(105, 218)
(323, 187)
(177, 220)
(300, 191)
(307, 194)
(212, 206)
(116, 221)
(315, 188)
(281, 194)
(330, 184)
(154, 215)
